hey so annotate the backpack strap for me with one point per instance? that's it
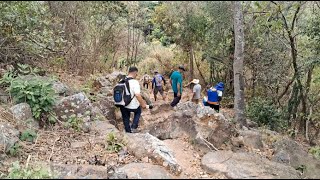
(128, 87)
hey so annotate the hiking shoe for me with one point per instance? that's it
(134, 130)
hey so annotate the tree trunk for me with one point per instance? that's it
(200, 73)
(191, 63)
(239, 103)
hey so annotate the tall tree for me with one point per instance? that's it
(238, 65)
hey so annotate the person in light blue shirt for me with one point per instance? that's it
(176, 83)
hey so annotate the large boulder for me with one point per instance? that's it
(58, 87)
(146, 145)
(245, 165)
(8, 136)
(23, 115)
(252, 139)
(68, 171)
(106, 83)
(76, 105)
(106, 106)
(198, 123)
(145, 171)
(61, 89)
(291, 153)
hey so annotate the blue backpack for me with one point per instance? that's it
(121, 93)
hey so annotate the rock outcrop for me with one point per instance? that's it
(145, 171)
(245, 165)
(77, 104)
(146, 145)
(23, 115)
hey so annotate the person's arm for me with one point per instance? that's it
(164, 80)
(153, 82)
(219, 95)
(141, 101)
(137, 92)
(179, 86)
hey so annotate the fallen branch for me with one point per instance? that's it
(208, 143)
(53, 149)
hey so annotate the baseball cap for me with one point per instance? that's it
(181, 67)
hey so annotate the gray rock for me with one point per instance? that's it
(61, 89)
(58, 87)
(118, 175)
(77, 104)
(4, 96)
(103, 127)
(252, 139)
(290, 152)
(8, 136)
(106, 105)
(22, 113)
(245, 165)
(68, 171)
(145, 171)
(153, 148)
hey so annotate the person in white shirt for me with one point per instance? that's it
(136, 103)
(196, 91)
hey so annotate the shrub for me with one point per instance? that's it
(28, 135)
(74, 122)
(37, 93)
(15, 149)
(265, 113)
(315, 151)
(18, 172)
(114, 144)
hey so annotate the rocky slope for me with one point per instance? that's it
(188, 141)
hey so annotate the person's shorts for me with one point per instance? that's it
(158, 89)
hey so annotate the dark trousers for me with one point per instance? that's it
(176, 99)
(126, 118)
(146, 84)
(215, 107)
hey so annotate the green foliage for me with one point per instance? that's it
(37, 93)
(18, 172)
(74, 122)
(114, 144)
(315, 151)
(28, 135)
(7, 78)
(265, 113)
(25, 69)
(15, 149)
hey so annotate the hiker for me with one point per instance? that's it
(146, 80)
(157, 85)
(136, 102)
(214, 96)
(196, 91)
(176, 83)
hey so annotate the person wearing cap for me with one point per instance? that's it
(215, 96)
(157, 85)
(196, 95)
(176, 83)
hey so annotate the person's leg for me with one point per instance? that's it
(137, 114)
(216, 108)
(176, 100)
(162, 93)
(174, 96)
(126, 118)
(155, 92)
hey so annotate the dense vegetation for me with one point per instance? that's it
(281, 48)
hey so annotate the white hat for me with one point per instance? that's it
(195, 81)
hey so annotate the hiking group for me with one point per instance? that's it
(129, 96)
